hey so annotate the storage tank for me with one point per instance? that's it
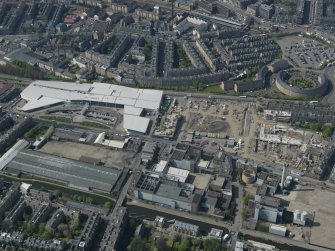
(304, 216)
(288, 181)
(296, 215)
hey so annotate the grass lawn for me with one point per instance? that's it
(301, 83)
(57, 118)
(94, 125)
(184, 61)
(262, 228)
(37, 131)
(215, 89)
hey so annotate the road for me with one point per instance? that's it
(124, 191)
(235, 228)
(282, 240)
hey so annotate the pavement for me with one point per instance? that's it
(282, 240)
(235, 228)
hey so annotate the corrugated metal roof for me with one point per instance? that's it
(74, 172)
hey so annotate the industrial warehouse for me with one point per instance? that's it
(74, 173)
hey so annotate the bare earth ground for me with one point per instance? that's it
(74, 151)
(322, 202)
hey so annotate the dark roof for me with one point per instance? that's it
(5, 88)
(73, 172)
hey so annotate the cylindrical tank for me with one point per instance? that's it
(304, 216)
(287, 183)
(296, 214)
(248, 176)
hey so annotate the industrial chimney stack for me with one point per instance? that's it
(282, 178)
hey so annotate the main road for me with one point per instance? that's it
(235, 228)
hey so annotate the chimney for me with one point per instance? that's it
(282, 178)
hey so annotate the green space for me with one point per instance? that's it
(52, 76)
(108, 47)
(249, 76)
(262, 227)
(57, 118)
(301, 83)
(183, 60)
(326, 130)
(6, 18)
(23, 65)
(94, 125)
(318, 39)
(279, 35)
(37, 131)
(215, 89)
(239, 172)
(74, 69)
(246, 199)
(22, 69)
(67, 230)
(245, 214)
(147, 52)
(176, 243)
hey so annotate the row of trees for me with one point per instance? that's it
(75, 197)
(178, 244)
(22, 70)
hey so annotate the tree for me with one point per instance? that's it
(185, 245)
(245, 214)
(161, 244)
(212, 245)
(89, 200)
(327, 131)
(137, 245)
(74, 224)
(246, 199)
(57, 193)
(108, 204)
(239, 174)
(47, 235)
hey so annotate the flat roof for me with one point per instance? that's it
(160, 166)
(172, 192)
(74, 172)
(135, 123)
(177, 174)
(131, 110)
(41, 92)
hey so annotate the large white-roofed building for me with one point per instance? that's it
(135, 124)
(43, 94)
(177, 174)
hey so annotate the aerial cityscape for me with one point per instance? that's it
(167, 125)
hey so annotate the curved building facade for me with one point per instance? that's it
(294, 91)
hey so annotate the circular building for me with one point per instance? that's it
(302, 85)
(248, 176)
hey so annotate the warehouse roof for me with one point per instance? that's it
(131, 110)
(135, 123)
(42, 93)
(75, 173)
(177, 174)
